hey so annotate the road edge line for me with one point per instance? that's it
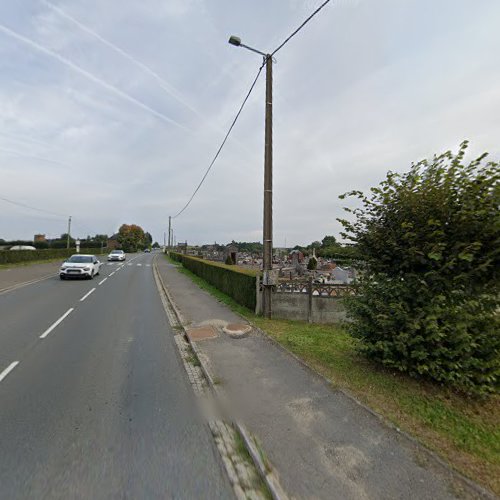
(25, 283)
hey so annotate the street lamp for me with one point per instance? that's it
(267, 261)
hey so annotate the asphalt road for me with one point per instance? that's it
(98, 405)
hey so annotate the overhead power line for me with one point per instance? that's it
(299, 28)
(30, 207)
(243, 104)
(222, 144)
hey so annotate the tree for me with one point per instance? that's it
(328, 241)
(156, 245)
(428, 293)
(312, 264)
(131, 237)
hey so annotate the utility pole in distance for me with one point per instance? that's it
(267, 260)
(69, 231)
(169, 231)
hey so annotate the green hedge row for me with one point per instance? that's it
(15, 256)
(239, 285)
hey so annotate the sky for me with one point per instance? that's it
(111, 111)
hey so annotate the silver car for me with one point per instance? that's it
(118, 255)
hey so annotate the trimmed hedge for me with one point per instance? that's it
(16, 256)
(238, 284)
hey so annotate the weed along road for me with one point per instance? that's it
(94, 399)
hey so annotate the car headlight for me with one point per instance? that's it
(86, 268)
(63, 268)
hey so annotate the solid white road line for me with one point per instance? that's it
(102, 281)
(87, 294)
(111, 274)
(8, 370)
(50, 328)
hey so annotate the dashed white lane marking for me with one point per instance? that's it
(87, 294)
(50, 328)
(111, 274)
(102, 281)
(8, 370)
(139, 264)
(129, 264)
(148, 265)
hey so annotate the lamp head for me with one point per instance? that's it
(234, 40)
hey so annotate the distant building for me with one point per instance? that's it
(113, 241)
(39, 238)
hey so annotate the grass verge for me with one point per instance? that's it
(465, 432)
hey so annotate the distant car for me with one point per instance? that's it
(80, 266)
(22, 247)
(118, 255)
(147, 250)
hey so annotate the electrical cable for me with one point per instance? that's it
(223, 142)
(299, 28)
(31, 208)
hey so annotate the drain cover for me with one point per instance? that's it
(201, 333)
(237, 330)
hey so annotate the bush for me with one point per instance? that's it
(229, 261)
(428, 301)
(239, 285)
(312, 264)
(16, 256)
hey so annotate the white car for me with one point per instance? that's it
(118, 255)
(22, 247)
(80, 266)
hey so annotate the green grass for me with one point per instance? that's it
(464, 431)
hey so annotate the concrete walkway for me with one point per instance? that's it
(321, 442)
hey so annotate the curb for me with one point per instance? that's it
(266, 475)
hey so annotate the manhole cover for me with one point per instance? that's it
(201, 333)
(237, 330)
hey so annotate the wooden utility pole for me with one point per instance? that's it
(267, 261)
(69, 231)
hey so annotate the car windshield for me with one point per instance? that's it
(117, 251)
(79, 259)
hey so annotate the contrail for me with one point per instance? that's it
(35, 157)
(88, 75)
(26, 139)
(171, 91)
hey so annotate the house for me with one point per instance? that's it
(113, 242)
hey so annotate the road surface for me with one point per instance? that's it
(94, 400)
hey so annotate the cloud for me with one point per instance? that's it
(88, 75)
(364, 88)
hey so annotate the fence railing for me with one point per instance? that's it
(315, 289)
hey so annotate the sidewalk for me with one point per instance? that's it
(18, 275)
(321, 442)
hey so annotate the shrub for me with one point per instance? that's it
(312, 264)
(229, 261)
(428, 301)
(16, 256)
(239, 285)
